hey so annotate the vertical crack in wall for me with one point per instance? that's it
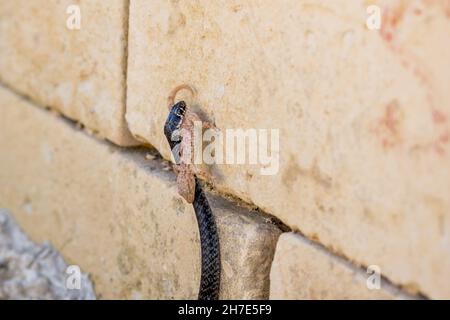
(126, 35)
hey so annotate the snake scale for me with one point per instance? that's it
(209, 237)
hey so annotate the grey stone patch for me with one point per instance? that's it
(34, 271)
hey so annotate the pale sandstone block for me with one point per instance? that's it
(118, 215)
(303, 270)
(363, 116)
(81, 72)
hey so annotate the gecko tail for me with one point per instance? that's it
(173, 93)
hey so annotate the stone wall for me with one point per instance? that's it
(363, 178)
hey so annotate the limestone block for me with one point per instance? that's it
(118, 215)
(80, 72)
(303, 270)
(363, 116)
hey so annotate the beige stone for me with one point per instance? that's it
(81, 72)
(118, 215)
(363, 116)
(303, 270)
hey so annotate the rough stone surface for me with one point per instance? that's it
(363, 116)
(118, 215)
(81, 72)
(32, 271)
(302, 270)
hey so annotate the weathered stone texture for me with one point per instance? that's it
(302, 270)
(363, 116)
(35, 271)
(81, 72)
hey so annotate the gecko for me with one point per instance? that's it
(179, 130)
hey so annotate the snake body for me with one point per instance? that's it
(209, 237)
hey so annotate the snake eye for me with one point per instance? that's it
(180, 109)
(179, 113)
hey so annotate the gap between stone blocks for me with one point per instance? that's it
(147, 151)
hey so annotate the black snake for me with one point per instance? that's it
(209, 237)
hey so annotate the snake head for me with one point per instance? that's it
(179, 109)
(172, 129)
(173, 123)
